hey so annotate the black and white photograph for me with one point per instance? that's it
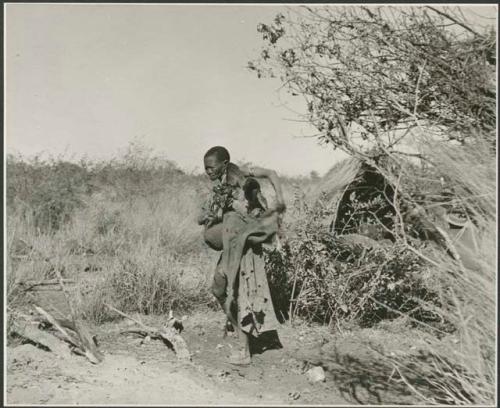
(250, 204)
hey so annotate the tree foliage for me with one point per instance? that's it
(384, 68)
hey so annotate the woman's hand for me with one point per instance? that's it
(271, 175)
(279, 208)
(210, 220)
(206, 218)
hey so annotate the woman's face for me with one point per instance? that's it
(214, 167)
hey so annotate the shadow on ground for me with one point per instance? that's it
(266, 341)
(366, 382)
(373, 378)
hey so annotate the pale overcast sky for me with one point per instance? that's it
(87, 79)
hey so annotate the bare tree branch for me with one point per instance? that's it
(451, 18)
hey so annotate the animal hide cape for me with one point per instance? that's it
(248, 296)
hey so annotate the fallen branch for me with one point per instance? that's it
(86, 341)
(30, 332)
(82, 343)
(53, 321)
(169, 333)
(31, 283)
(45, 285)
(28, 327)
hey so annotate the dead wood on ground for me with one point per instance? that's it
(169, 333)
(42, 285)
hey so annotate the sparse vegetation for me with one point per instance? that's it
(372, 253)
(143, 253)
(126, 233)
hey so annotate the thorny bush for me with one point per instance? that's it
(329, 279)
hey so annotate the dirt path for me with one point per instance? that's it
(145, 373)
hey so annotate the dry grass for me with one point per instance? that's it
(129, 242)
(463, 300)
(466, 375)
(133, 241)
(137, 246)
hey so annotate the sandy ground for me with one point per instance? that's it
(147, 372)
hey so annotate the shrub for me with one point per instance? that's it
(332, 279)
(146, 281)
(49, 190)
(278, 265)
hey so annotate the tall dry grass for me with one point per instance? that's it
(465, 374)
(124, 229)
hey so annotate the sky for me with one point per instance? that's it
(83, 79)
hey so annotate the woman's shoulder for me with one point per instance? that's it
(234, 174)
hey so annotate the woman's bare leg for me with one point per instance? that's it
(242, 355)
(244, 341)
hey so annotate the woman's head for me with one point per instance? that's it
(216, 160)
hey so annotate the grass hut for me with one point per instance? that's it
(360, 198)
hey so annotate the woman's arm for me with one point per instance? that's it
(271, 175)
(205, 216)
